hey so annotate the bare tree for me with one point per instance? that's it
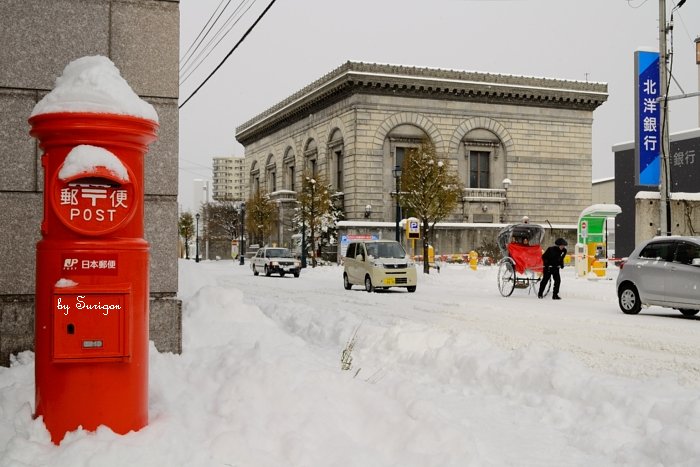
(223, 220)
(430, 190)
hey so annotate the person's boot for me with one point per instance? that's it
(556, 297)
(539, 295)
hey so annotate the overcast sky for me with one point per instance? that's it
(298, 41)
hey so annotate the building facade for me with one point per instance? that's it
(640, 217)
(39, 39)
(228, 179)
(201, 192)
(521, 145)
(603, 191)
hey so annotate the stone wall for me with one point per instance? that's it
(685, 215)
(39, 39)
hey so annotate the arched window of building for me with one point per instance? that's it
(484, 166)
(289, 169)
(271, 174)
(311, 158)
(254, 178)
(336, 152)
(401, 139)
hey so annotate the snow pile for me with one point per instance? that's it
(61, 283)
(94, 84)
(85, 158)
(259, 382)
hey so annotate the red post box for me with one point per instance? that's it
(92, 291)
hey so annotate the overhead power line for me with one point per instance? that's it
(229, 53)
(197, 41)
(212, 48)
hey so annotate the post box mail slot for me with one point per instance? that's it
(90, 325)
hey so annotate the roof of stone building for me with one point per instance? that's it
(407, 81)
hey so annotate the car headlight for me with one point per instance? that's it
(274, 263)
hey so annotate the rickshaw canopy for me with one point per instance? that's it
(530, 234)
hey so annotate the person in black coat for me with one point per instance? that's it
(553, 260)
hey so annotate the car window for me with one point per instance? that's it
(277, 253)
(658, 250)
(687, 252)
(351, 251)
(391, 250)
(372, 250)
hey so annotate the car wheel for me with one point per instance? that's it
(296, 274)
(255, 271)
(411, 288)
(346, 282)
(267, 271)
(368, 284)
(688, 312)
(629, 301)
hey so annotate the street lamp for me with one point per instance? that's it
(397, 177)
(312, 222)
(506, 184)
(242, 248)
(303, 239)
(196, 242)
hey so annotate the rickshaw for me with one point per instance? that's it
(521, 266)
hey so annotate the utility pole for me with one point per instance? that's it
(664, 205)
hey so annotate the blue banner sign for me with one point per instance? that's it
(647, 122)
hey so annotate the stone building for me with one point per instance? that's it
(521, 145)
(39, 39)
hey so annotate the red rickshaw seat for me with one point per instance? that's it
(525, 257)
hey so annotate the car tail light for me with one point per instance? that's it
(622, 264)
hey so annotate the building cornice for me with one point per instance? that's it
(396, 80)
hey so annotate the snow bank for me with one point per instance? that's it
(259, 380)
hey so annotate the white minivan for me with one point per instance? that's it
(378, 264)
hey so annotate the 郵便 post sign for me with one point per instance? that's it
(647, 121)
(93, 208)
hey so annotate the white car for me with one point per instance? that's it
(274, 260)
(664, 271)
(378, 264)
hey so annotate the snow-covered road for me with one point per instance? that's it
(586, 323)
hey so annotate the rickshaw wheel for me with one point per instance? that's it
(506, 278)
